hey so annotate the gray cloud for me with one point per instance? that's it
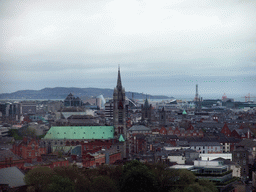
(59, 43)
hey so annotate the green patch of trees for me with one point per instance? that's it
(133, 176)
(14, 133)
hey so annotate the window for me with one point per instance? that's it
(29, 154)
(64, 132)
(35, 153)
(120, 117)
(244, 155)
(238, 155)
(117, 146)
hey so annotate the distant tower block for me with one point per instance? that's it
(196, 97)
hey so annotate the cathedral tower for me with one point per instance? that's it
(146, 111)
(119, 116)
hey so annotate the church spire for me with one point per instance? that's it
(119, 82)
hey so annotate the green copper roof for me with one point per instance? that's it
(121, 138)
(184, 112)
(80, 132)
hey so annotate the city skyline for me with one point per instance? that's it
(163, 48)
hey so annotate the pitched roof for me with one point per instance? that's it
(121, 138)
(7, 154)
(247, 143)
(204, 143)
(139, 128)
(68, 114)
(12, 176)
(80, 132)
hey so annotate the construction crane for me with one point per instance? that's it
(248, 97)
(224, 97)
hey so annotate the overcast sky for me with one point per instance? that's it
(163, 47)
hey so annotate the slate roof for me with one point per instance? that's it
(7, 154)
(76, 151)
(226, 161)
(12, 176)
(68, 114)
(204, 143)
(65, 149)
(171, 137)
(209, 125)
(139, 128)
(247, 143)
(4, 140)
(80, 132)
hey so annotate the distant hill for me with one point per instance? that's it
(62, 92)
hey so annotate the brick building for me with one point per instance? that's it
(99, 152)
(29, 149)
(225, 130)
(138, 144)
(49, 160)
(240, 155)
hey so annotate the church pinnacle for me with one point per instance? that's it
(119, 82)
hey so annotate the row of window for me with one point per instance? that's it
(238, 155)
(244, 162)
(84, 132)
(29, 154)
(199, 148)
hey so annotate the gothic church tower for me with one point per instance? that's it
(119, 116)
